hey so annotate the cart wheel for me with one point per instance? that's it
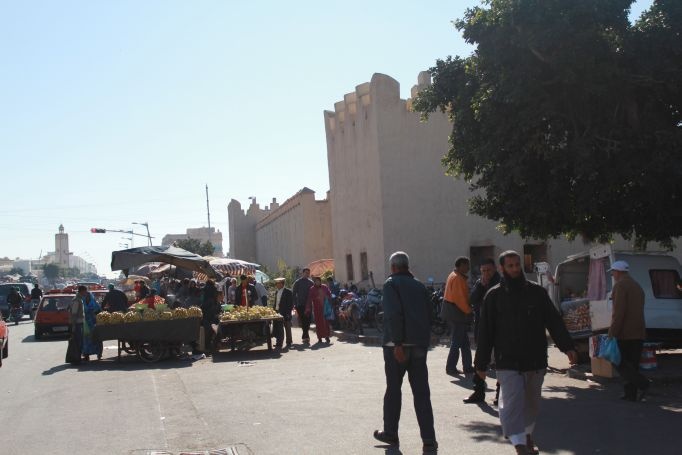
(150, 351)
(128, 348)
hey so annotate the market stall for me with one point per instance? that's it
(150, 334)
(247, 327)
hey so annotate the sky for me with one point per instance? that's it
(113, 113)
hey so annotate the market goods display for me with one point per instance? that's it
(249, 314)
(132, 316)
(194, 312)
(180, 313)
(116, 318)
(150, 315)
(577, 316)
(166, 315)
(103, 318)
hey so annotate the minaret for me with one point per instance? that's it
(61, 248)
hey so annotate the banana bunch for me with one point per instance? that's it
(150, 315)
(165, 315)
(249, 314)
(132, 316)
(194, 312)
(116, 318)
(103, 318)
(179, 313)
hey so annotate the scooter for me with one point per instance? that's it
(16, 314)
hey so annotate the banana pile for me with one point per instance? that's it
(165, 315)
(249, 314)
(194, 312)
(116, 318)
(103, 318)
(150, 315)
(180, 313)
(132, 316)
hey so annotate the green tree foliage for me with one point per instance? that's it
(51, 272)
(567, 117)
(195, 246)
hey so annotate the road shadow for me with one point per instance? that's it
(245, 358)
(44, 339)
(592, 420)
(320, 345)
(127, 363)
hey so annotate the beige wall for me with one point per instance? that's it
(242, 229)
(297, 232)
(388, 190)
(202, 234)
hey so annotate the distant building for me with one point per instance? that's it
(61, 248)
(296, 232)
(203, 234)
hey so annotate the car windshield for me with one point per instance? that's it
(55, 303)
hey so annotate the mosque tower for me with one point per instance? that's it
(61, 248)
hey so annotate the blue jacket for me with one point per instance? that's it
(407, 311)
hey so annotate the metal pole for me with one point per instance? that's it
(208, 212)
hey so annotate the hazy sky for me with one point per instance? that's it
(121, 112)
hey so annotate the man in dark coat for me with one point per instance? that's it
(246, 293)
(283, 304)
(514, 319)
(407, 336)
(300, 290)
(115, 300)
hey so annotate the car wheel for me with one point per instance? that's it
(5, 350)
(37, 335)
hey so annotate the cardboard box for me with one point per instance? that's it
(603, 368)
(600, 314)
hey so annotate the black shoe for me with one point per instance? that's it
(454, 372)
(476, 397)
(430, 447)
(327, 340)
(386, 438)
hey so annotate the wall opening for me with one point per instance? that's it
(533, 254)
(364, 269)
(349, 268)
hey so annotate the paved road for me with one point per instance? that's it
(324, 400)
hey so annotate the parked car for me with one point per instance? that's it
(4, 340)
(24, 289)
(52, 315)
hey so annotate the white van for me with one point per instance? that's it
(581, 290)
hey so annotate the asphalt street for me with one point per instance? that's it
(311, 400)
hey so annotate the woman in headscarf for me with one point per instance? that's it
(316, 297)
(90, 310)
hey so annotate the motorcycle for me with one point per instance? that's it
(16, 314)
(438, 326)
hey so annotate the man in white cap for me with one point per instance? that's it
(284, 304)
(627, 327)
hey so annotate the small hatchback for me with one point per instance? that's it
(53, 315)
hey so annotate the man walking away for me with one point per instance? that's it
(284, 304)
(300, 289)
(514, 317)
(456, 311)
(489, 278)
(628, 328)
(407, 322)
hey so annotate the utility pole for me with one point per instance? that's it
(208, 212)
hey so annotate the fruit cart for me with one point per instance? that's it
(152, 336)
(247, 327)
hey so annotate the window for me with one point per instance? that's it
(666, 284)
(364, 270)
(349, 267)
(533, 254)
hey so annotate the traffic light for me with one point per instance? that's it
(98, 231)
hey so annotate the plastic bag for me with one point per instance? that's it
(328, 311)
(609, 351)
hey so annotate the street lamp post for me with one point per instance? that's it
(146, 225)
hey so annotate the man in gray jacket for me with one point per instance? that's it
(407, 322)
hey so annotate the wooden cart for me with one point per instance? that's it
(251, 331)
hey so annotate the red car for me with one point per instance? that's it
(52, 315)
(4, 340)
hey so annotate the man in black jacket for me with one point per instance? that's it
(115, 300)
(300, 289)
(407, 335)
(514, 318)
(283, 304)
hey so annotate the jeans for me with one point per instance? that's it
(459, 340)
(418, 375)
(630, 353)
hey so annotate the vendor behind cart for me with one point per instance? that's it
(246, 294)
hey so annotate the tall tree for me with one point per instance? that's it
(51, 272)
(195, 246)
(567, 118)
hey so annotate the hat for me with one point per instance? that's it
(111, 286)
(620, 266)
(280, 279)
